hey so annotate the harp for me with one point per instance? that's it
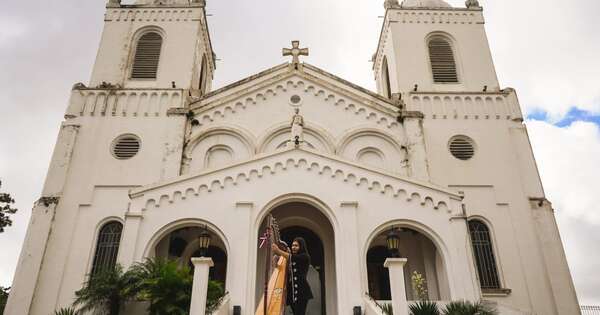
(274, 296)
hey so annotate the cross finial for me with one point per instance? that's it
(295, 52)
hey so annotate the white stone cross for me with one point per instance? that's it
(295, 52)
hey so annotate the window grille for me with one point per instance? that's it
(484, 255)
(443, 65)
(147, 55)
(107, 246)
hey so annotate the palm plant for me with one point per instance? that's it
(165, 284)
(3, 298)
(468, 308)
(215, 296)
(387, 309)
(424, 308)
(65, 311)
(106, 291)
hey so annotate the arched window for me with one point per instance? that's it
(443, 64)
(484, 255)
(203, 75)
(385, 79)
(147, 55)
(107, 246)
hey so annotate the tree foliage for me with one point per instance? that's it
(3, 298)
(6, 209)
(107, 291)
(165, 284)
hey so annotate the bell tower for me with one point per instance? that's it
(155, 44)
(427, 45)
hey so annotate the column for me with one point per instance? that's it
(396, 268)
(200, 288)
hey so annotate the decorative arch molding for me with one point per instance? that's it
(165, 230)
(390, 186)
(242, 135)
(311, 200)
(420, 227)
(146, 29)
(236, 131)
(207, 114)
(321, 134)
(366, 131)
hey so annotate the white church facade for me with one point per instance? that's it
(148, 157)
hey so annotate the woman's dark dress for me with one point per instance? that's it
(299, 292)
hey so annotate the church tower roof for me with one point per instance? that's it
(425, 4)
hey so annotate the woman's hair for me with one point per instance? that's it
(303, 248)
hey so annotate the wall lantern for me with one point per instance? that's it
(204, 241)
(393, 242)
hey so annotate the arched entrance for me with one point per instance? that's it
(182, 244)
(298, 219)
(424, 260)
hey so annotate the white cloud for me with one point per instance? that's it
(10, 29)
(568, 163)
(547, 50)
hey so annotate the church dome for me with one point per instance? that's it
(425, 4)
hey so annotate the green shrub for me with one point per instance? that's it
(424, 308)
(468, 308)
(387, 309)
(106, 291)
(65, 311)
(3, 298)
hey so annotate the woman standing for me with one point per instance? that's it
(298, 290)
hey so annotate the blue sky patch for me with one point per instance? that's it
(574, 114)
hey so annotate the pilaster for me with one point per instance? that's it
(348, 259)
(32, 257)
(415, 144)
(126, 256)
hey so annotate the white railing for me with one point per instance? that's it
(124, 102)
(590, 310)
(459, 105)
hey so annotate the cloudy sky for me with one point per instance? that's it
(547, 50)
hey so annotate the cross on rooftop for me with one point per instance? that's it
(295, 52)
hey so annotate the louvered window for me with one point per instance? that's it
(147, 55)
(484, 255)
(443, 64)
(462, 147)
(107, 246)
(126, 147)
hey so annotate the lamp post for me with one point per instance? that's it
(204, 241)
(393, 242)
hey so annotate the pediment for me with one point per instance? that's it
(235, 97)
(314, 163)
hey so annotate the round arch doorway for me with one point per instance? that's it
(299, 219)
